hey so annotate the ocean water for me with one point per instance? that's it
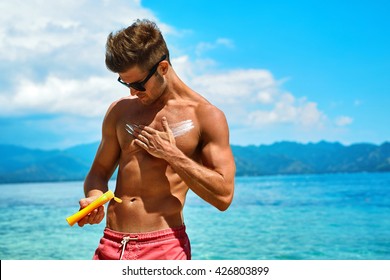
(305, 217)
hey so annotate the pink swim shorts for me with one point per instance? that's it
(167, 244)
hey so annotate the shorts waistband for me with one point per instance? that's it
(177, 232)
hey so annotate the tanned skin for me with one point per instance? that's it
(156, 170)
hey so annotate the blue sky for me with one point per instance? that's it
(300, 71)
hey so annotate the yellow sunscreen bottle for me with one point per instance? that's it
(107, 196)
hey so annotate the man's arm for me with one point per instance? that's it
(103, 166)
(213, 180)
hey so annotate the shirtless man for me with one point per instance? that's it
(165, 139)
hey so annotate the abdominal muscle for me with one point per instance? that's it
(151, 202)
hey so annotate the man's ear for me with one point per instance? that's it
(163, 67)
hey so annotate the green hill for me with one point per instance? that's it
(18, 164)
(322, 157)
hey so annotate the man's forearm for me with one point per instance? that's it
(94, 186)
(206, 183)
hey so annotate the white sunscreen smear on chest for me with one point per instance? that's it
(181, 128)
(178, 129)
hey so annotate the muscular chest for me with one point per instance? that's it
(183, 124)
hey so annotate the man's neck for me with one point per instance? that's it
(175, 89)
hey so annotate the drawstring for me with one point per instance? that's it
(124, 242)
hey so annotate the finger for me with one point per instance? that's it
(83, 203)
(165, 125)
(86, 220)
(147, 129)
(144, 139)
(141, 133)
(168, 130)
(81, 223)
(97, 215)
(92, 215)
(145, 134)
(141, 144)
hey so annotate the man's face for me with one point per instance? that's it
(141, 84)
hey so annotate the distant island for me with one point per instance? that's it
(20, 164)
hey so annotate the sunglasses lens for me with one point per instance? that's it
(137, 86)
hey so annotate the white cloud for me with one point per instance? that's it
(287, 111)
(54, 54)
(183, 67)
(253, 97)
(234, 85)
(343, 121)
(57, 34)
(207, 46)
(265, 96)
(89, 97)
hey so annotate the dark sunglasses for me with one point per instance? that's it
(140, 86)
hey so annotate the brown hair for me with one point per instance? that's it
(141, 44)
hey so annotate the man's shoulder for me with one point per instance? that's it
(118, 107)
(201, 103)
(127, 100)
(123, 102)
(207, 108)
